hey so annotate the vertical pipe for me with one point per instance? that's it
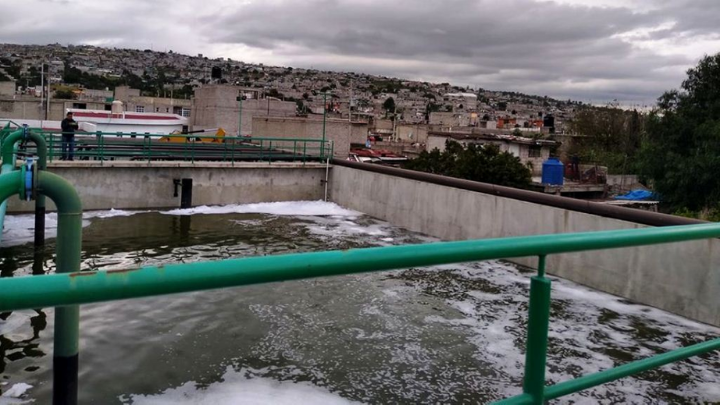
(8, 165)
(67, 318)
(41, 147)
(186, 193)
(537, 334)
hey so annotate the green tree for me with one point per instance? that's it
(681, 154)
(389, 105)
(610, 137)
(484, 163)
(64, 94)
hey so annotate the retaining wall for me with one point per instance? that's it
(139, 185)
(683, 278)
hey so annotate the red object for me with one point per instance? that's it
(126, 116)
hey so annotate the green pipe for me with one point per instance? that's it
(10, 184)
(8, 160)
(87, 287)
(537, 335)
(67, 260)
(8, 165)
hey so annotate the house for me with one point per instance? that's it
(532, 152)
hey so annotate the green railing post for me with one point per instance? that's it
(537, 335)
(52, 142)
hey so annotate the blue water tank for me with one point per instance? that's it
(553, 172)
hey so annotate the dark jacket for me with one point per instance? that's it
(68, 126)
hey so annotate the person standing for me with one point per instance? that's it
(68, 125)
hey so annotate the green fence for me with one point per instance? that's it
(67, 290)
(106, 146)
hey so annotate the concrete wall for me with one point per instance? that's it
(341, 132)
(412, 133)
(619, 179)
(29, 108)
(135, 185)
(7, 88)
(683, 278)
(217, 106)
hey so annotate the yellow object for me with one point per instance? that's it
(179, 137)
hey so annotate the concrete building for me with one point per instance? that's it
(134, 102)
(217, 106)
(341, 132)
(29, 107)
(532, 152)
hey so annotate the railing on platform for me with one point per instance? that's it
(106, 146)
(61, 290)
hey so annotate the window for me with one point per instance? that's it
(177, 110)
(108, 107)
(535, 151)
(167, 110)
(139, 108)
(185, 112)
(79, 106)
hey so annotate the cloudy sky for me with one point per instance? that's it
(590, 50)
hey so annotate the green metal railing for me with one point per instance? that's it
(69, 290)
(105, 146)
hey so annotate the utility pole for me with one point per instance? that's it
(42, 88)
(240, 99)
(395, 122)
(322, 146)
(350, 112)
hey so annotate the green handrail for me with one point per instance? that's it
(106, 145)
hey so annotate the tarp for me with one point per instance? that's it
(636, 195)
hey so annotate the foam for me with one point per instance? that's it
(110, 214)
(238, 388)
(489, 318)
(16, 391)
(14, 322)
(20, 229)
(281, 208)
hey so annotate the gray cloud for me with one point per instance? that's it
(631, 53)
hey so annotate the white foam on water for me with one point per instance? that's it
(16, 391)
(281, 208)
(15, 321)
(110, 214)
(237, 388)
(489, 318)
(20, 229)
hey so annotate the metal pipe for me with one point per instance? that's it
(67, 260)
(8, 158)
(571, 204)
(87, 287)
(8, 165)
